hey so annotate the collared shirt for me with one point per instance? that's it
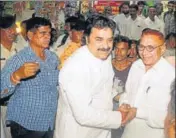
(149, 92)
(170, 25)
(34, 101)
(85, 102)
(135, 28)
(6, 54)
(21, 42)
(156, 24)
(122, 23)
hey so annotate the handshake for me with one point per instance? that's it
(128, 113)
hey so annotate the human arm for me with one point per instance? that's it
(13, 72)
(77, 89)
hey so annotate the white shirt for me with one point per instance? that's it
(85, 101)
(122, 23)
(6, 54)
(135, 28)
(156, 24)
(149, 92)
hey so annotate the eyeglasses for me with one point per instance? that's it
(149, 48)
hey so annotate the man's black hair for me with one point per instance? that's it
(36, 22)
(7, 21)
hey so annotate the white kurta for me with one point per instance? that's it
(149, 92)
(85, 101)
(157, 24)
(135, 28)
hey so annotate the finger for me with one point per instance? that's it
(31, 64)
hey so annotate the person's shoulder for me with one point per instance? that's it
(52, 54)
(137, 64)
(77, 59)
(23, 52)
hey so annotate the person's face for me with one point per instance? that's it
(169, 126)
(152, 12)
(125, 9)
(171, 42)
(108, 11)
(76, 36)
(133, 12)
(9, 34)
(153, 48)
(170, 7)
(67, 27)
(40, 37)
(121, 51)
(100, 42)
(159, 8)
(140, 7)
(133, 51)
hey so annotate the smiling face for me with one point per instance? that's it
(40, 38)
(151, 58)
(100, 42)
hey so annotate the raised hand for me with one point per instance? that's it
(27, 70)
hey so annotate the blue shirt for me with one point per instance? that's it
(34, 101)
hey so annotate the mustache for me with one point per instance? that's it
(104, 49)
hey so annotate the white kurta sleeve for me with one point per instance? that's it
(78, 93)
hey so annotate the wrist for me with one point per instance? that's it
(16, 76)
(123, 115)
(15, 79)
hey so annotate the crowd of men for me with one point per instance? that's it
(107, 76)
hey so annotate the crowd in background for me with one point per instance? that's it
(131, 40)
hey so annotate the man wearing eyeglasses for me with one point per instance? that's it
(148, 89)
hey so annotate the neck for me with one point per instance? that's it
(152, 18)
(123, 61)
(38, 51)
(7, 44)
(147, 68)
(134, 17)
(126, 15)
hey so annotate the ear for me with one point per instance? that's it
(129, 51)
(29, 35)
(87, 40)
(163, 48)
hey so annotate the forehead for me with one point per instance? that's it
(122, 45)
(44, 28)
(150, 40)
(133, 9)
(101, 32)
(152, 9)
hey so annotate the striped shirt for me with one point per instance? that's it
(34, 101)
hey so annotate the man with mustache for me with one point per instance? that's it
(148, 89)
(8, 49)
(31, 77)
(86, 79)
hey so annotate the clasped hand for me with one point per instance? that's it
(128, 113)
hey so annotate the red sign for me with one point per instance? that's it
(100, 5)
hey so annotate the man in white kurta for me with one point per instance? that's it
(85, 81)
(148, 89)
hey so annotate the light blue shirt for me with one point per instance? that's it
(33, 104)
